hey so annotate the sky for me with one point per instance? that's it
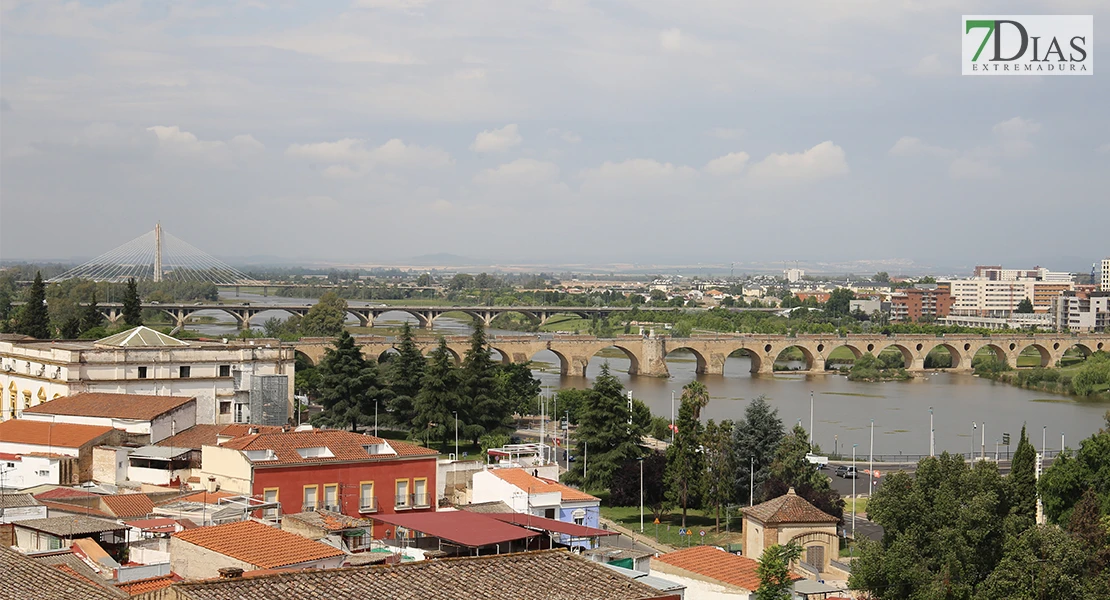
(571, 131)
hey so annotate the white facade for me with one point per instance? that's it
(160, 428)
(1084, 314)
(1104, 284)
(33, 372)
(25, 471)
(794, 275)
(490, 488)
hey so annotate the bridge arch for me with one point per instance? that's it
(455, 357)
(394, 313)
(701, 362)
(954, 353)
(1042, 353)
(386, 355)
(782, 357)
(907, 354)
(503, 357)
(563, 361)
(834, 363)
(301, 358)
(748, 353)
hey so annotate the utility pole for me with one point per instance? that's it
(871, 461)
(641, 459)
(983, 449)
(811, 420)
(932, 447)
(855, 476)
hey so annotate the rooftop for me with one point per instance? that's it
(141, 586)
(714, 563)
(72, 525)
(462, 528)
(329, 520)
(257, 544)
(45, 433)
(788, 508)
(496, 506)
(157, 525)
(26, 578)
(544, 575)
(59, 493)
(551, 525)
(118, 406)
(17, 500)
(202, 496)
(140, 337)
(341, 446)
(539, 485)
(129, 505)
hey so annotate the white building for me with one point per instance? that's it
(537, 492)
(1083, 312)
(156, 416)
(794, 275)
(22, 471)
(1104, 284)
(19, 507)
(239, 381)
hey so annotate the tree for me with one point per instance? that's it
(1024, 307)
(1071, 475)
(791, 469)
(424, 280)
(625, 489)
(461, 281)
(685, 461)
(720, 466)
(775, 581)
(1087, 526)
(485, 410)
(518, 387)
(882, 277)
(1043, 562)
(698, 395)
(755, 437)
(34, 319)
(839, 303)
(326, 317)
(438, 398)
(604, 435)
(406, 373)
(90, 315)
(132, 305)
(1022, 479)
(349, 386)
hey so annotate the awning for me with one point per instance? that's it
(551, 525)
(462, 528)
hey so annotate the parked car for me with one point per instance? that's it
(847, 472)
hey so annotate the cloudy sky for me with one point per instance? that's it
(558, 130)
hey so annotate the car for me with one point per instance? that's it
(847, 472)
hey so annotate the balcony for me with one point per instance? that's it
(419, 501)
(368, 505)
(308, 507)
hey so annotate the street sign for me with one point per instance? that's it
(702, 533)
(681, 532)
(656, 521)
(1005, 439)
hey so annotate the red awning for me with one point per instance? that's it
(551, 525)
(468, 529)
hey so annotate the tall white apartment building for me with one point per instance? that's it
(1104, 284)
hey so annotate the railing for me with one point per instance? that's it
(368, 505)
(308, 507)
(847, 568)
(419, 500)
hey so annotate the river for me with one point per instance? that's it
(843, 409)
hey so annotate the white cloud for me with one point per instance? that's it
(637, 170)
(930, 66)
(1013, 136)
(821, 161)
(729, 164)
(497, 140)
(911, 146)
(351, 157)
(725, 133)
(171, 139)
(676, 42)
(522, 171)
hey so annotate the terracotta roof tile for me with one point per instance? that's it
(257, 544)
(129, 505)
(714, 563)
(141, 586)
(26, 578)
(331, 521)
(539, 485)
(53, 507)
(788, 508)
(240, 429)
(344, 446)
(193, 437)
(544, 575)
(121, 406)
(43, 433)
(64, 492)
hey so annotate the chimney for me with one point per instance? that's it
(230, 572)
(212, 485)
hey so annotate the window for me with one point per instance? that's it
(270, 495)
(142, 372)
(225, 408)
(331, 496)
(310, 492)
(420, 492)
(43, 473)
(549, 513)
(183, 372)
(579, 516)
(225, 370)
(401, 496)
(366, 500)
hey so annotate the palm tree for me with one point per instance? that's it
(697, 394)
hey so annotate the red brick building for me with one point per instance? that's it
(357, 475)
(912, 304)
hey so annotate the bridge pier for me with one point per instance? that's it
(653, 360)
(576, 366)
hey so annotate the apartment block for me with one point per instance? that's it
(916, 304)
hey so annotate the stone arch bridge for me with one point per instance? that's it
(647, 354)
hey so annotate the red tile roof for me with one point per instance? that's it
(344, 446)
(208, 435)
(129, 505)
(52, 507)
(64, 492)
(468, 529)
(141, 586)
(120, 406)
(714, 563)
(160, 525)
(45, 433)
(257, 544)
(788, 508)
(539, 485)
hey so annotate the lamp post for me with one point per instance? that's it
(971, 443)
(672, 416)
(855, 476)
(983, 449)
(456, 413)
(811, 420)
(751, 484)
(871, 461)
(375, 416)
(932, 446)
(641, 459)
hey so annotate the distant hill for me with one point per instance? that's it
(442, 259)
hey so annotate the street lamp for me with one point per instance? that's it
(932, 446)
(641, 460)
(456, 413)
(871, 461)
(971, 447)
(855, 476)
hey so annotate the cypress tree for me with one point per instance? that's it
(438, 398)
(484, 409)
(34, 319)
(90, 315)
(1022, 479)
(349, 386)
(132, 305)
(406, 375)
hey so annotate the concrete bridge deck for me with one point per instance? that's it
(647, 354)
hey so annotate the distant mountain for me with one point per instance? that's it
(442, 259)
